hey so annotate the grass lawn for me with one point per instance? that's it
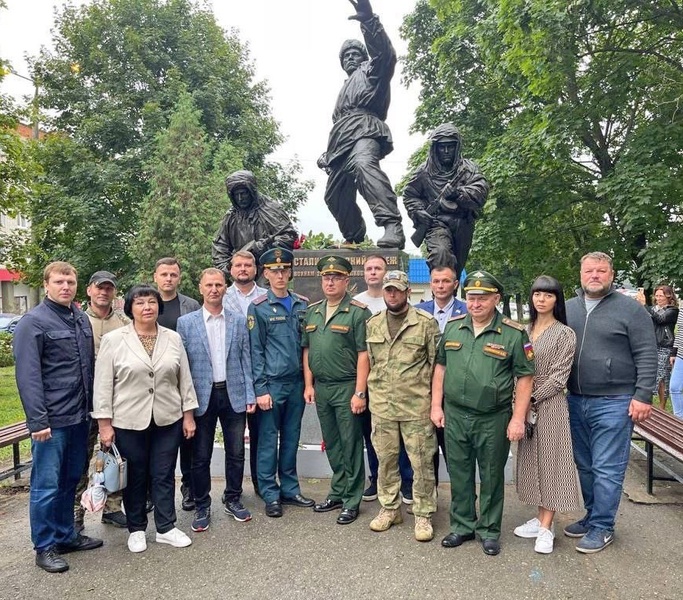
(10, 409)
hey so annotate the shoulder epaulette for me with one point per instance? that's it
(424, 313)
(300, 297)
(379, 312)
(260, 299)
(457, 317)
(358, 303)
(315, 303)
(513, 324)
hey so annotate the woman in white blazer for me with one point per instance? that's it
(144, 400)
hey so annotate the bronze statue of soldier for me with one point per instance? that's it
(254, 223)
(444, 197)
(360, 137)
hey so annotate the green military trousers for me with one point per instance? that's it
(471, 439)
(343, 436)
(419, 440)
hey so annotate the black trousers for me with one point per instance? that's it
(151, 453)
(232, 424)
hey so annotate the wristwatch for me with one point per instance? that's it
(361, 395)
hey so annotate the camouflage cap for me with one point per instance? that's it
(396, 279)
(277, 259)
(481, 282)
(334, 264)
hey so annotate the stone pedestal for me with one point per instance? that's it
(307, 278)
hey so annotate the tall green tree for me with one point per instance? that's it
(184, 208)
(571, 108)
(112, 81)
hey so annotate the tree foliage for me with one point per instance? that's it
(183, 209)
(572, 110)
(113, 80)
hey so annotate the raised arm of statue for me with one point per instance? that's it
(363, 10)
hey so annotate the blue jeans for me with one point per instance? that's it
(57, 467)
(232, 424)
(676, 388)
(601, 435)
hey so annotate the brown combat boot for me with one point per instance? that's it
(386, 518)
(423, 529)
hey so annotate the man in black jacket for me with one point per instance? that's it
(167, 279)
(610, 389)
(55, 357)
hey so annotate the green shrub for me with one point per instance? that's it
(6, 356)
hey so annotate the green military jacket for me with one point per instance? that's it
(480, 371)
(399, 384)
(333, 347)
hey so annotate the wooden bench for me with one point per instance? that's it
(664, 431)
(11, 435)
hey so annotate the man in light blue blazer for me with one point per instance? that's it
(443, 282)
(217, 344)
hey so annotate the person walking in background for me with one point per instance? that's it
(103, 318)
(238, 297)
(677, 370)
(217, 345)
(144, 402)
(335, 374)
(402, 348)
(374, 270)
(546, 473)
(610, 388)
(54, 356)
(167, 277)
(274, 323)
(664, 315)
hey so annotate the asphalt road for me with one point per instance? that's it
(307, 556)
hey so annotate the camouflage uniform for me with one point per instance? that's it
(400, 387)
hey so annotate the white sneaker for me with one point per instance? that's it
(137, 541)
(544, 541)
(530, 529)
(175, 538)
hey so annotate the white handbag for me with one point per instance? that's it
(115, 469)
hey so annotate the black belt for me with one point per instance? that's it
(219, 385)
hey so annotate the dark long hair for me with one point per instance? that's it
(545, 283)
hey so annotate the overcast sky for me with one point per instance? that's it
(294, 45)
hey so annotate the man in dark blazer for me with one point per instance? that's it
(443, 282)
(217, 344)
(167, 278)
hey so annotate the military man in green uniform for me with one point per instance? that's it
(479, 356)
(274, 322)
(335, 375)
(402, 348)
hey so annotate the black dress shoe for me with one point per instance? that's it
(188, 500)
(117, 519)
(80, 542)
(298, 500)
(50, 561)
(273, 509)
(347, 515)
(328, 505)
(453, 540)
(491, 547)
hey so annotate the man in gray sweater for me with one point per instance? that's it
(610, 389)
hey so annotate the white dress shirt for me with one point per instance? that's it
(236, 301)
(215, 332)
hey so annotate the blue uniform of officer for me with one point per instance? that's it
(274, 322)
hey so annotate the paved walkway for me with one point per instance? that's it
(307, 556)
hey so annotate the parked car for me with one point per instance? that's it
(8, 322)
